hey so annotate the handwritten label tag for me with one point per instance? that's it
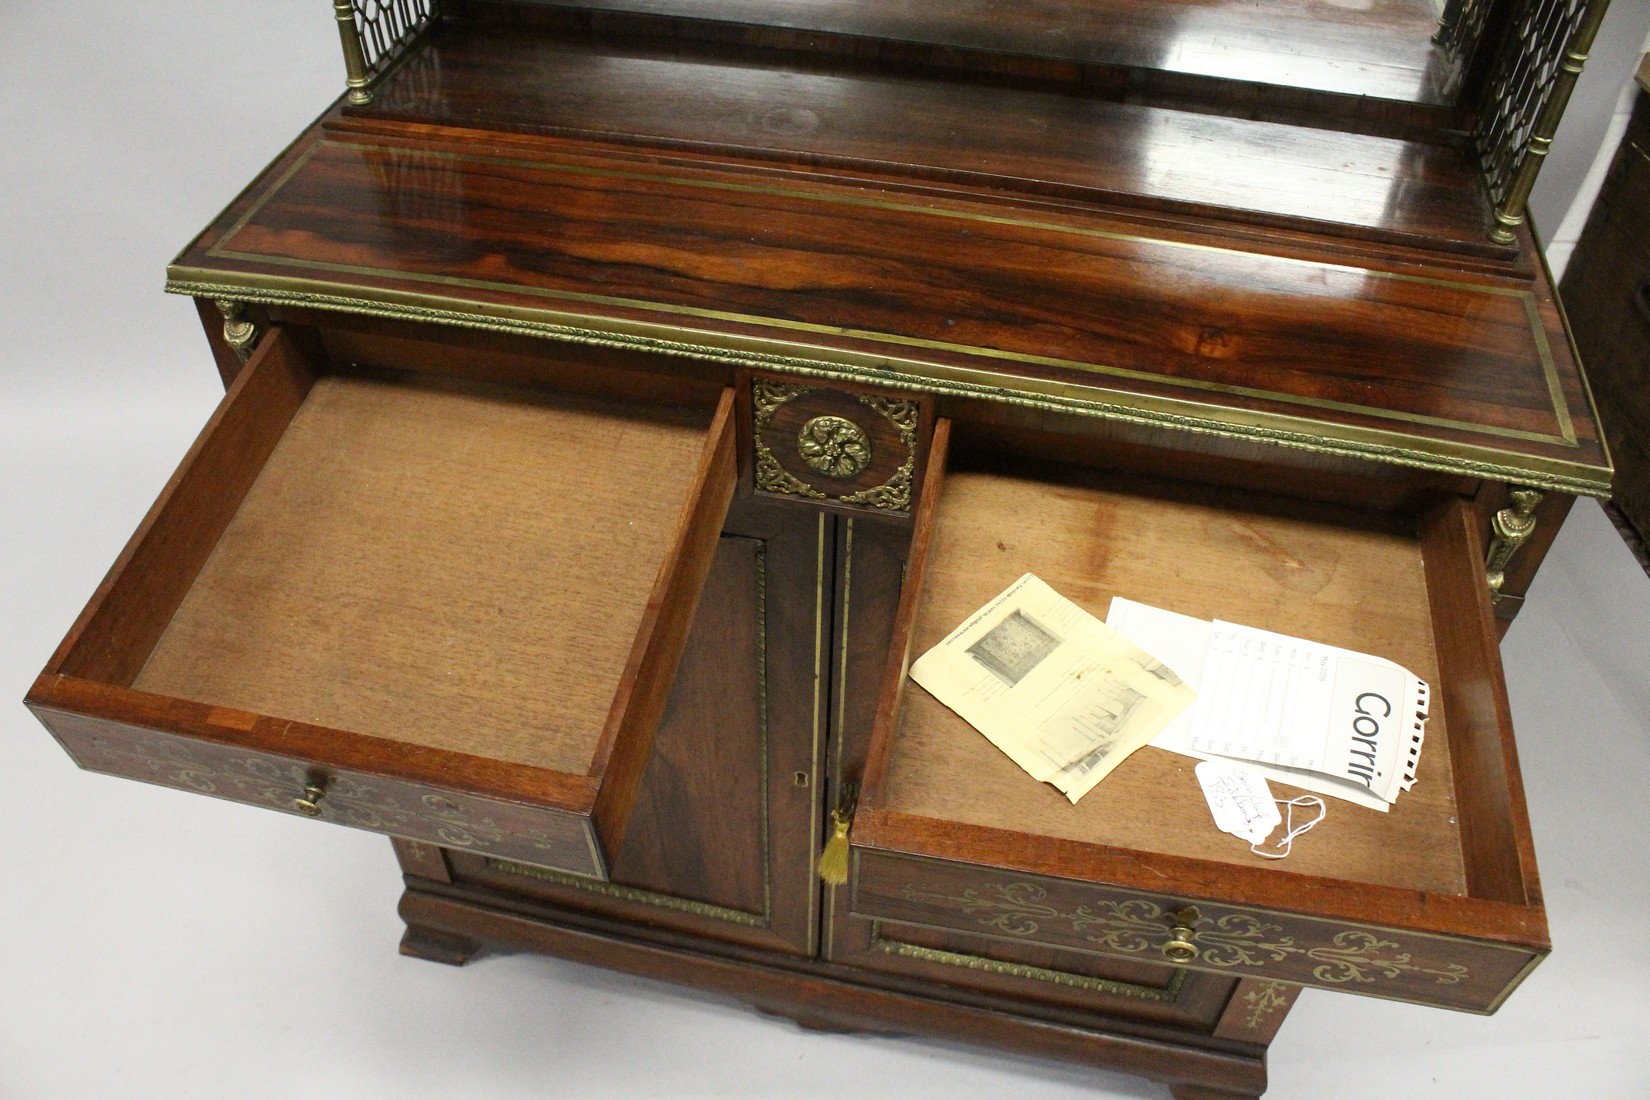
(1239, 800)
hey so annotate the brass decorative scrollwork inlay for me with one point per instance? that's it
(894, 495)
(771, 477)
(238, 332)
(1263, 1000)
(1512, 526)
(1137, 926)
(289, 786)
(834, 446)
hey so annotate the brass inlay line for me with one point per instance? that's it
(263, 200)
(1549, 370)
(813, 752)
(841, 708)
(1372, 444)
(628, 893)
(1167, 994)
(762, 726)
(1541, 348)
(759, 321)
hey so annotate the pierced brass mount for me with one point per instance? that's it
(1513, 526)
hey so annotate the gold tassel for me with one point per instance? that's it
(833, 861)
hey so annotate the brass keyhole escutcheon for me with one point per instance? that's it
(1179, 948)
(309, 803)
(834, 446)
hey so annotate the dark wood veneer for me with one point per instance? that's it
(476, 552)
(1155, 325)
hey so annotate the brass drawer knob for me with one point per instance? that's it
(1179, 947)
(309, 803)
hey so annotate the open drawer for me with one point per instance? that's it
(1436, 901)
(426, 606)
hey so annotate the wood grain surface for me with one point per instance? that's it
(1009, 136)
(1203, 554)
(420, 562)
(1379, 50)
(1165, 325)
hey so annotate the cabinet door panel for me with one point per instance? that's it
(721, 843)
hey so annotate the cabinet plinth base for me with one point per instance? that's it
(1198, 1092)
(439, 947)
(830, 997)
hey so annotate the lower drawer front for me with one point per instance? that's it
(375, 803)
(1239, 942)
(1055, 980)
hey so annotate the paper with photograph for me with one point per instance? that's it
(1064, 696)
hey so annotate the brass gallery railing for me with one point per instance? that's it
(1544, 48)
(373, 33)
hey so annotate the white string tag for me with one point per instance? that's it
(1239, 800)
(1290, 829)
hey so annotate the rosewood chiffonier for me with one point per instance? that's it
(621, 392)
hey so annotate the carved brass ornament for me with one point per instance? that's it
(894, 495)
(238, 332)
(834, 446)
(1512, 526)
(1137, 926)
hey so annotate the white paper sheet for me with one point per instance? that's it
(1237, 714)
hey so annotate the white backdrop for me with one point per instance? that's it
(156, 944)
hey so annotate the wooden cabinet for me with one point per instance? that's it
(621, 394)
(1607, 292)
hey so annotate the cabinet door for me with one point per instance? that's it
(427, 606)
(722, 841)
(1436, 901)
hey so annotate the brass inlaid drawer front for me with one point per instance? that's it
(1398, 964)
(828, 445)
(299, 787)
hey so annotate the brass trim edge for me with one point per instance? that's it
(1026, 972)
(627, 893)
(1369, 444)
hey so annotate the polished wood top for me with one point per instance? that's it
(1375, 48)
(1174, 322)
(716, 98)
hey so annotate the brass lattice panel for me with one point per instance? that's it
(373, 33)
(1523, 81)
